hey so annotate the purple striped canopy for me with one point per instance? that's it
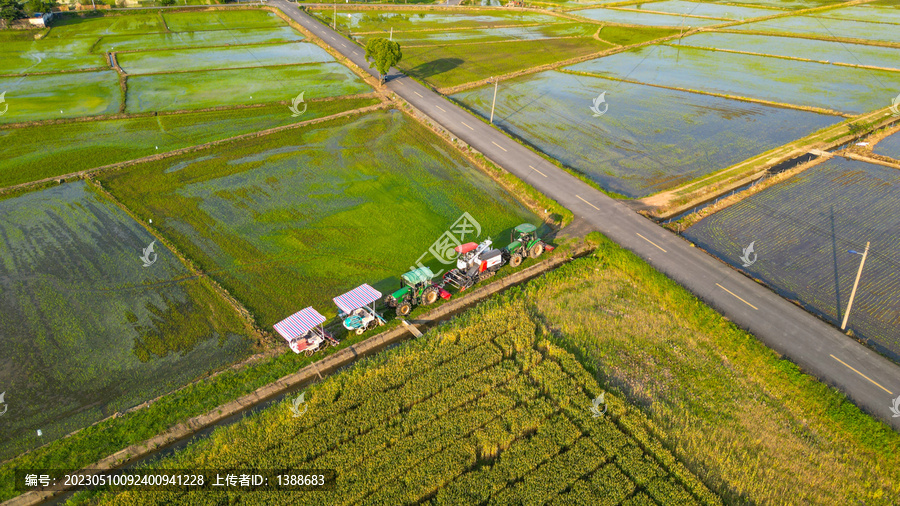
(299, 323)
(358, 297)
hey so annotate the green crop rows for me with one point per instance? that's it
(484, 410)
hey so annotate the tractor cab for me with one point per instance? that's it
(357, 309)
(416, 288)
(304, 332)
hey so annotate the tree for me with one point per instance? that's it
(10, 10)
(384, 54)
(167, 2)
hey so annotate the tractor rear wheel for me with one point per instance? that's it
(404, 309)
(430, 296)
(536, 250)
(515, 260)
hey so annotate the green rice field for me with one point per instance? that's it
(889, 146)
(636, 17)
(221, 19)
(802, 230)
(650, 139)
(56, 96)
(381, 21)
(293, 53)
(844, 89)
(24, 155)
(22, 54)
(89, 26)
(159, 41)
(236, 87)
(826, 27)
(483, 411)
(818, 50)
(87, 329)
(295, 218)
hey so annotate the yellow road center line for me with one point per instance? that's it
(738, 298)
(539, 172)
(400, 82)
(417, 93)
(863, 375)
(441, 108)
(499, 146)
(651, 242)
(588, 203)
(467, 126)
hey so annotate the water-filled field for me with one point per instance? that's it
(883, 11)
(68, 27)
(784, 4)
(844, 89)
(216, 88)
(87, 330)
(223, 57)
(221, 20)
(889, 146)
(826, 27)
(802, 230)
(197, 39)
(24, 155)
(649, 139)
(295, 218)
(635, 17)
(819, 50)
(55, 96)
(23, 54)
(494, 34)
(362, 22)
(712, 10)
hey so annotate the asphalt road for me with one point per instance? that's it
(868, 379)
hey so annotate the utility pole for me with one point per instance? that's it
(334, 18)
(495, 98)
(392, 33)
(855, 284)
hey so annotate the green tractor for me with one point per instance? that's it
(524, 243)
(416, 289)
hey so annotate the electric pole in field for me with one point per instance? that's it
(495, 98)
(855, 283)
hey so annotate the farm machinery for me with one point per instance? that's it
(474, 263)
(416, 289)
(357, 309)
(304, 332)
(524, 243)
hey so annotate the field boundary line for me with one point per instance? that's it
(792, 58)
(870, 159)
(213, 46)
(502, 41)
(783, 105)
(189, 149)
(276, 65)
(308, 374)
(51, 73)
(811, 36)
(451, 29)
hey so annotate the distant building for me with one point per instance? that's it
(41, 20)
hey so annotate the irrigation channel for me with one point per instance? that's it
(202, 426)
